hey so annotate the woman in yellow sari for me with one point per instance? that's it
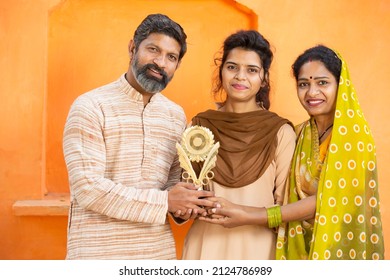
(331, 207)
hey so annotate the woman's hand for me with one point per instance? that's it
(228, 214)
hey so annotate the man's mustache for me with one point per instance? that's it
(157, 69)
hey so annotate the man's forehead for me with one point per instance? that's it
(162, 40)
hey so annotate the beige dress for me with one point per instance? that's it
(214, 242)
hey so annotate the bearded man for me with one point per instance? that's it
(119, 147)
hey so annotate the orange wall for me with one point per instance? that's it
(50, 53)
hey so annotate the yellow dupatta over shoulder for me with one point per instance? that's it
(347, 223)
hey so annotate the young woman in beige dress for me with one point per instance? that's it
(255, 151)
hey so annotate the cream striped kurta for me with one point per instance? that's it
(121, 158)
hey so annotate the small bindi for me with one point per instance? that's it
(311, 77)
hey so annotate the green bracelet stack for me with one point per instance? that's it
(274, 216)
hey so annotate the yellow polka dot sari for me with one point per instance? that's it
(347, 223)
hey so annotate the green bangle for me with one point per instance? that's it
(274, 216)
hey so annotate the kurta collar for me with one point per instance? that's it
(126, 88)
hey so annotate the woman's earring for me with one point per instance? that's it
(261, 105)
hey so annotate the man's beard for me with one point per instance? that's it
(148, 82)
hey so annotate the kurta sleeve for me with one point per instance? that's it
(174, 174)
(176, 170)
(284, 152)
(85, 157)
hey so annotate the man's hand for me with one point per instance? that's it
(189, 214)
(185, 196)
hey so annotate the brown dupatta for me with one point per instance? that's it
(247, 144)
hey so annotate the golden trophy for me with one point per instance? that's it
(197, 144)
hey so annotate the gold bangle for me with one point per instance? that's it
(274, 216)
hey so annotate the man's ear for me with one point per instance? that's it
(131, 48)
(178, 64)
